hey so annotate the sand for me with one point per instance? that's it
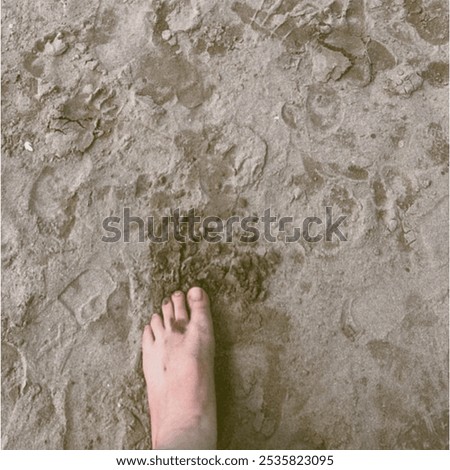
(227, 107)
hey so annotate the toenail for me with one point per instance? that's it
(196, 293)
(178, 293)
(166, 300)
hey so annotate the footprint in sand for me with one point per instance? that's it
(324, 109)
(53, 198)
(86, 296)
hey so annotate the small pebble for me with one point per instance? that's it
(27, 145)
(166, 34)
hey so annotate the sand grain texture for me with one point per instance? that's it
(228, 107)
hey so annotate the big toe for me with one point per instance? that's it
(199, 305)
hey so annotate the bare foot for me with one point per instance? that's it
(178, 358)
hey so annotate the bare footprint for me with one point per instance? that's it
(178, 360)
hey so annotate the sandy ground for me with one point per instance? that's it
(228, 107)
